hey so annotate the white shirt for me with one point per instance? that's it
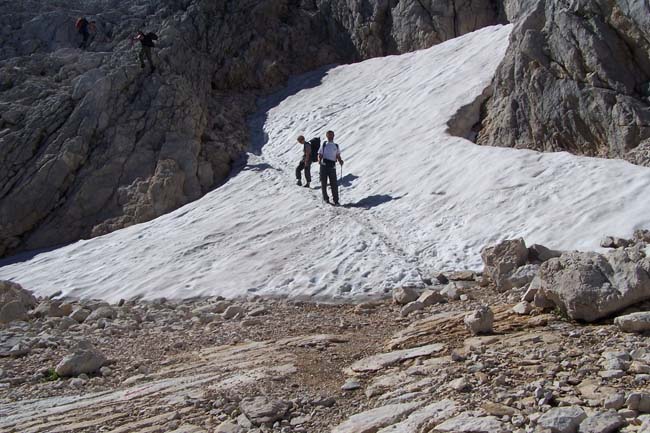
(329, 150)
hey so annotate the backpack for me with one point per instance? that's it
(152, 36)
(315, 146)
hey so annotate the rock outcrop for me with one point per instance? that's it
(576, 78)
(90, 143)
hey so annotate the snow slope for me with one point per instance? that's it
(416, 199)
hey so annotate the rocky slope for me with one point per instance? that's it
(90, 143)
(413, 364)
(576, 78)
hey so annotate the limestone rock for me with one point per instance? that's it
(382, 360)
(372, 420)
(523, 308)
(466, 422)
(589, 286)
(614, 242)
(81, 361)
(10, 291)
(502, 260)
(404, 295)
(80, 314)
(570, 82)
(603, 422)
(562, 419)
(48, 308)
(634, 322)
(430, 297)
(411, 307)
(103, 312)
(262, 410)
(480, 321)
(14, 310)
(539, 253)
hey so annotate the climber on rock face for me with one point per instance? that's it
(146, 43)
(82, 27)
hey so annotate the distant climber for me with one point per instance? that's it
(82, 27)
(305, 162)
(146, 43)
(328, 154)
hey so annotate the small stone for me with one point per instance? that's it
(430, 297)
(638, 401)
(259, 311)
(461, 385)
(103, 312)
(523, 308)
(232, 311)
(480, 321)
(106, 371)
(351, 384)
(634, 322)
(411, 307)
(611, 374)
(80, 314)
(614, 401)
(262, 410)
(404, 295)
(450, 291)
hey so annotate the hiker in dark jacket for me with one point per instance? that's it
(146, 43)
(305, 162)
(82, 28)
(328, 154)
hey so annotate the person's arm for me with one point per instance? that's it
(320, 154)
(338, 157)
(307, 156)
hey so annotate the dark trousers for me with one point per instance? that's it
(329, 172)
(85, 34)
(307, 169)
(145, 52)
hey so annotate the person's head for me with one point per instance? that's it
(330, 135)
(301, 139)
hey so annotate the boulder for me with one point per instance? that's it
(10, 292)
(634, 322)
(502, 260)
(602, 422)
(81, 361)
(48, 308)
(480, 321)
(614, 242)
(430, 297)
(12, 311)
(80, 314)
(404, 295)
(589, 286)
(539, 253)
(522, 276)
(411, 307)
(263, 410)
(103, 312)
(562, 419)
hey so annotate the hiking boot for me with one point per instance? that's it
(327, 200)
(336, 203)
(141, 65)
(299, 182)
(306, 185)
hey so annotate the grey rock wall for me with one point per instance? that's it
(576, 77)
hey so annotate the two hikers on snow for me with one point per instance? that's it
(327, 156)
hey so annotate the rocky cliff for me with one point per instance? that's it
(576, 78)
(90, 142)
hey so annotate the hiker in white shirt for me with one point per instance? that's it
(305, 162)
(328, 154)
